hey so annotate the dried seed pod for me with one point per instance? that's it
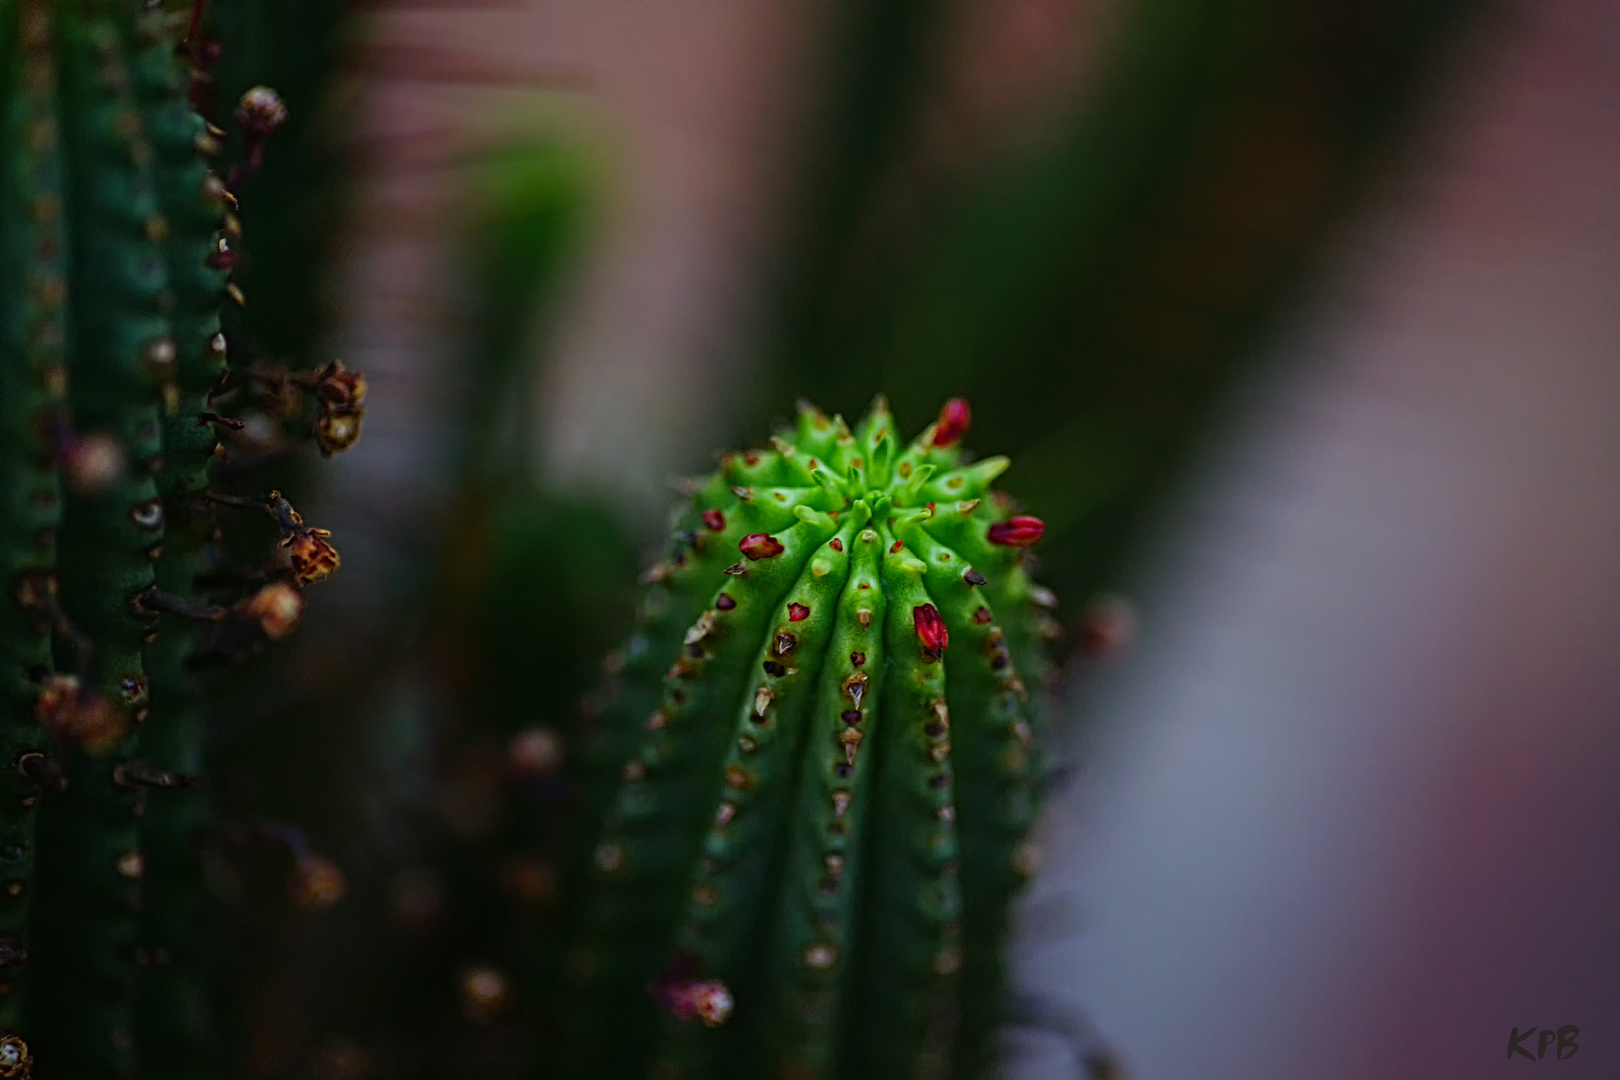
(841, 748)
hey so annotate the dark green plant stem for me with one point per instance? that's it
(91, 862)
(174, 1023)
(32, 383)
(116, 890)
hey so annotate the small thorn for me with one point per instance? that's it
(855, 687)
(206, 418)
(138, 773)
(39, 769)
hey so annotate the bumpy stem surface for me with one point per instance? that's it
(823, 762)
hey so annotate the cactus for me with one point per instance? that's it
(818, 770)
(116, 245)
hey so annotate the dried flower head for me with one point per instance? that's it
(337, 429)
(311, 557)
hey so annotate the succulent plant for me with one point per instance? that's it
(818, 764)
(116, 247)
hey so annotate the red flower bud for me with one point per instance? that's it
(760, 546)
(931, 631)
(714, 519)
(953, 422)
(1017, 532)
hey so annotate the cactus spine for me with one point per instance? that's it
(821, 743)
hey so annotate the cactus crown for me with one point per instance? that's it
(820, 746)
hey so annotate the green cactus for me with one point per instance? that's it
(115, 255)
(818, 770)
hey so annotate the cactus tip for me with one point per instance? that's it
(953, 422)
(760, 546)
(931, 631)
(1020, 531)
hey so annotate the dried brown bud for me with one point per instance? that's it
(337, 429)
(261, 111)
(276, 609)
(339, 387)
(85, 716)
(317, 883)
(94, 462)
(534, 752)
(485, 993)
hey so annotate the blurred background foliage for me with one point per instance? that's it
(1093, 283)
